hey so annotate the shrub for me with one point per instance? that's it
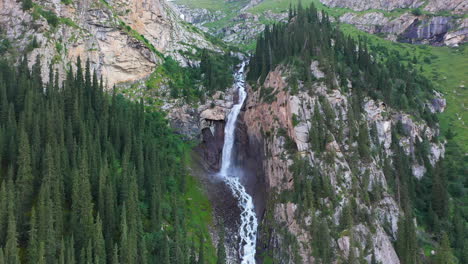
(27, 4)
(416, 12)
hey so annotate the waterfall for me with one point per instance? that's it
(248, 227)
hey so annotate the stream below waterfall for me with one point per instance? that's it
(231, 176)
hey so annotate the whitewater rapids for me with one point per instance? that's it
(231, 176)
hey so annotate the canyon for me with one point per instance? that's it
(435, 22)
(253, 147)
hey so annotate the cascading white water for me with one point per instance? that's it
(248, 228)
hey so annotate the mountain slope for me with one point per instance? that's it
(353, 163)
(124, 40)
(433, 22)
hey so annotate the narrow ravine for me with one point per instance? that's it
(231, 176)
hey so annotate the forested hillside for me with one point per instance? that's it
(89, 177)
(319, 65)
(307, 134)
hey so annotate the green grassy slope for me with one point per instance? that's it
(447, 68)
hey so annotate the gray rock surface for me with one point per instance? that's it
(261, 116)
(94, 31)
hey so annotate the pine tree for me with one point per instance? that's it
(346, 217)
(2, 257)
(99, 246)
(41, 259)
(27, 4)
(322, 243)
(166, 255)
(3, 212)
(24, 177)
(201, 251)
(406, 240)
(33, 246)
(115, 255)
(363, 142)
(11, 245)
(82, 205)
(439, 193)
(444, 253)
(460, 229)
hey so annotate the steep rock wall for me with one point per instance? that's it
(445, 25)
(285, 228)
(458, 6)
(110, 34)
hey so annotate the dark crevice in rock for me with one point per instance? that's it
(211, 147)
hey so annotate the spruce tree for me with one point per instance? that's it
(27, 4)
(24, 177)
(33, 243)
(2, 257)
(444, 252)
(99, 246)
(11, 245)
(201, 251)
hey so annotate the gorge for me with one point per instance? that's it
(232, 176)
(266, 132)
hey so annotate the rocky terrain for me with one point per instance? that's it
(293, 114)
(260, 141)
(437, 30)
(123, 39)
(437, 22)
(126, 40)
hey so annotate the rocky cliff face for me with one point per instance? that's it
(457, 6)
(121, 38)
(447, 29)
(285, 120)
(438, 30)
(427, 29)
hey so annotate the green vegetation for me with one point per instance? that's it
(50, 16)
(213, 5)
(416, 12)
(131, 32)
(87, 177)
(385, 71)
(216, 70)
(279, 6)
(193, 84)
(5, 44)
(389, 80)
(27, 4)
(446, 67)
(229, 9)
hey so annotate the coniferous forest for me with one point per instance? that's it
(310, 35)
(336, 139)
(87, 177)
(436, 201)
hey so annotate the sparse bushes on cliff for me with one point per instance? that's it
(27, 4)
(416, 12)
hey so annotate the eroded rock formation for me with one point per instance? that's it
(121, 38)
(292, 114)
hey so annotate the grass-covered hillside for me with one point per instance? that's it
(447, 68)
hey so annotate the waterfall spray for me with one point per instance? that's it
(248, 227)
